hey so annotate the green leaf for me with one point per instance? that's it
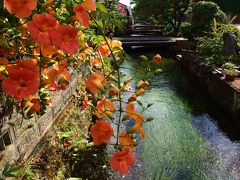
(4, 43)
(149, 105)
(102, 8)
(9, 170)
(150, 119)
(98, 39)
(139, 102)
(106, 59)
(65, 134)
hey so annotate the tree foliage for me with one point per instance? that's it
(161, 12)
(202, 17)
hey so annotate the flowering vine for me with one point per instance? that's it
(46, 40)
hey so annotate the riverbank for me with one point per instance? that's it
(224, 93)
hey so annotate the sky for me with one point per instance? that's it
(127, 2)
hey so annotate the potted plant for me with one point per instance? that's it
(228, 65)
(230, 74)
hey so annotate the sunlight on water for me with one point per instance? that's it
(183, 142)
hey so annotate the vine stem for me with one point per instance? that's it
(118, 77)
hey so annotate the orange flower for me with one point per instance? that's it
(103, 49)
(3, 61)
(156, 59)
(53, 86)
(50, 76)
(121, 161)
(81, 15)
(125, 139)
(113, 91)
(142, 84)
(46, 51)
(138, 125)
(35, 106)
(40, 28)
(132, 98)
(84, 102)
(125, 87)
(116, 43)
(130, 110)
(101, 132)
(89, 5)
(96, 63)
(65, 39)
(20, 83)
(30, 65)
(21, 8)
(64, 74)
(140, 92)
(129, 79)
(104, 108)
(5, 52)
(95, 82)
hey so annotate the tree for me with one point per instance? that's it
(162, 12)
(202, 17)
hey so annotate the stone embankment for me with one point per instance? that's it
(224, 93)
(19, 137)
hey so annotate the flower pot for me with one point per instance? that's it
(229, 77)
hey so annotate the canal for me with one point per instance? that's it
(190, 136)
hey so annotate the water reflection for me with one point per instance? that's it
(186, 139)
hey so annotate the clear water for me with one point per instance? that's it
(190, 137)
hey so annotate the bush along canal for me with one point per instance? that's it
(189, 138)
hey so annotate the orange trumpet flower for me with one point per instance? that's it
(121, 161)
(65, 39)
(95, 82)
(21, 8)
(104, 108)
(101, 132)
(40, 28)
(81, 15)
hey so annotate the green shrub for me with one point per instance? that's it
(203, 14)
(229, 28)
(186, 30)
(210, 49)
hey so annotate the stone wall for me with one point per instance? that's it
(16, 141)
(221, 91)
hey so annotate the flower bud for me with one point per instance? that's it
(156, 59)
(132, 98)
(114, 91)
(142, 84)
(140, 92)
